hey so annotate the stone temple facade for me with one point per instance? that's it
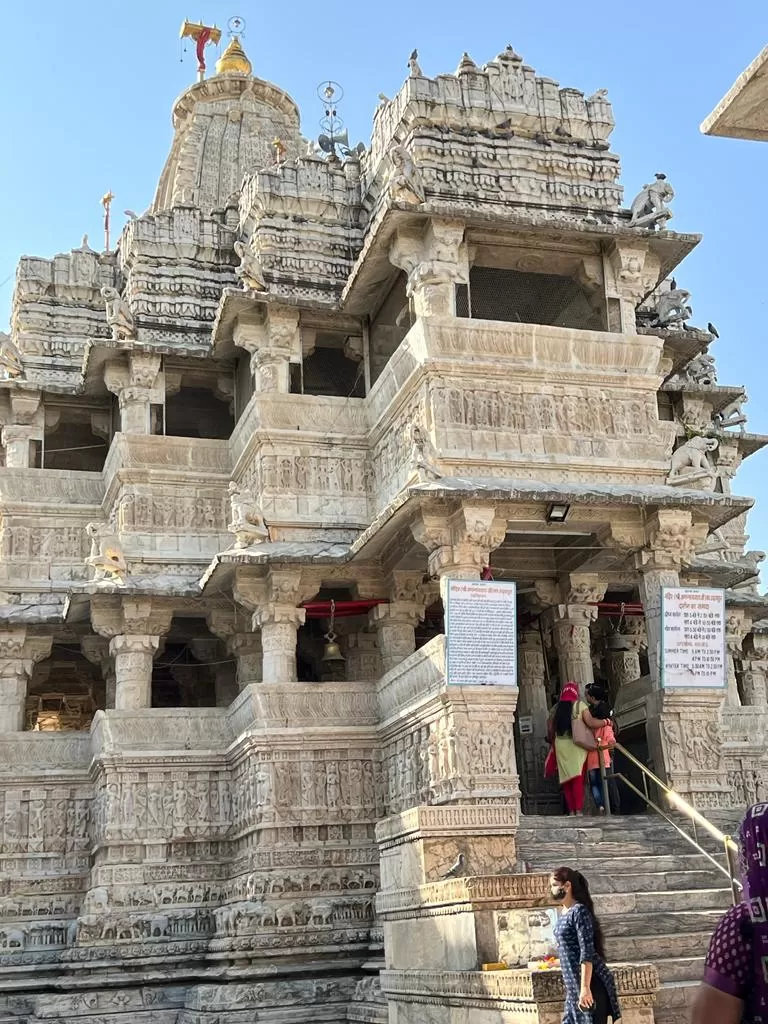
(301, 392)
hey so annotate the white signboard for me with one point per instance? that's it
(693, 638)
(481, 633)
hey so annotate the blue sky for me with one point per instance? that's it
(88, 92)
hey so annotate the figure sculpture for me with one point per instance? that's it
(249, 271)
(691, 460)
(404, 182)
(649, 207)
(672, 308)
(701, 370)
(119, 316)
(422, 463)
(413, 65)
(732, 414)
(106, 557)
(10, 359)
(247, 522)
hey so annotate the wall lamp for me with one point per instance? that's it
(557, 512)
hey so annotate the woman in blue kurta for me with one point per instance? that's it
(590, 991)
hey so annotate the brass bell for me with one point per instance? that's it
(617, 642)
(332, 651)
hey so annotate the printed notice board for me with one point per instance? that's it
(480, 633)
(693, 638)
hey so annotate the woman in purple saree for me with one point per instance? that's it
(735, 987)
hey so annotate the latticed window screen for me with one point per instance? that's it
(517, 297)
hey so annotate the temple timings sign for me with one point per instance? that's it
(693, 638)
(481, 633)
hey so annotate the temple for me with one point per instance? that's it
(244, 451)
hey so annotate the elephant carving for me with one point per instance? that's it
(158, 926)
(692, 458)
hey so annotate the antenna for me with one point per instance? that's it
(333, 133)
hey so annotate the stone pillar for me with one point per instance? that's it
(631, 271)
(396, 622)
(232, 627)
(274, 601)
(573, 609)
(273, 339)
(435, 260)
(135, 382)
(682, 726)
(755, 671)
(16, 441)
(134, 627)
(133, 654)
(96, 650)
(737, 625)
(19, 653)
(622, 667)
(279, 625)
(532, 699)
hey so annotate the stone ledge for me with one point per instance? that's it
(637, 986)
(460, 895)
(427, 821)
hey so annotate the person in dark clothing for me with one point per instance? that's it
(590, 989)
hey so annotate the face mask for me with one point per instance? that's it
(558, 893)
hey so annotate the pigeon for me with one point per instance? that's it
(456, 868)
(672, 284)
(413, 65)
(414, 55)
(562, 132)
(542, 139)
(712, 330)
(383, 98)
(131, 214)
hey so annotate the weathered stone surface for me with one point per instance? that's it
(244, 455)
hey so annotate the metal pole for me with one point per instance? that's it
(604, 778)
(735, 894)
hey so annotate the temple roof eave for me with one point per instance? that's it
(372, 271)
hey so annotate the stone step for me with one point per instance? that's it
(661, 922)
(674, 1002)
(654, 881)
(655, 948)
(669, 901)
(680, 970)
(632, 865)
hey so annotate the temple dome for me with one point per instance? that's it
(224, 127)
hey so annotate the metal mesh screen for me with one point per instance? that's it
(518, 297)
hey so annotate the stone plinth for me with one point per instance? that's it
(504, 997)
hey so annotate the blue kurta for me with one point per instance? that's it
(575, 937)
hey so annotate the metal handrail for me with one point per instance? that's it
(679, 803)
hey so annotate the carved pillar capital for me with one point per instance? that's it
(16, 440)
(272, 341)
(113, 615)
(459, 541)
(435, 261)
(671, 539)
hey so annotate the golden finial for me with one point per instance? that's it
(202, 35)
(233, 60)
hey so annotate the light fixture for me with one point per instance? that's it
(557, 512)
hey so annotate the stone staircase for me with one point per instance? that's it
(658, 899)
